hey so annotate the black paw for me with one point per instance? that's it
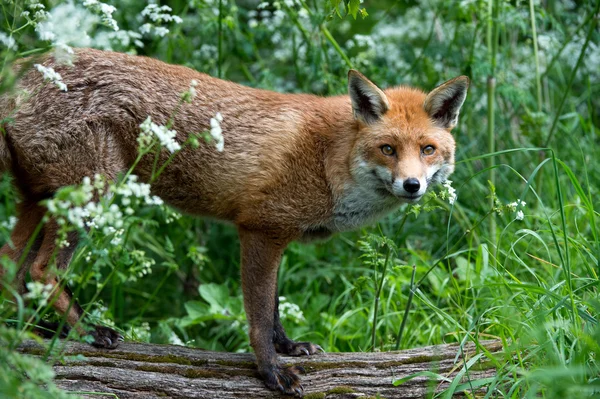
(105, 337)
(284, 379)
(292, 348)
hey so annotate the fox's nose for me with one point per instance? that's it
(412, 185)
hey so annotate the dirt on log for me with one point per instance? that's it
(135, 371)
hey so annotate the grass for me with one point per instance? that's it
(435, 274)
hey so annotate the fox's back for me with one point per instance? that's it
(96, 121)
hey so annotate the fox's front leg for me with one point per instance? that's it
(260, 260)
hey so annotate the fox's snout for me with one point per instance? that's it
(409, 188)
(411, 185)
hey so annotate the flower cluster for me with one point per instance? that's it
(38, 291)
(105, 10)
(36, 16)
(143, 264)
(8, 41)
(75, 206)
(216, 132)
(512, 207)
(63, 34)
(9, 224)
(158, 15)
(289, 310)
(517, 206)
(165, 136)
(189, 95)
(449, 192)
(52, 76)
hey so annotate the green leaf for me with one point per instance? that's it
(216, 295)
(353, 6)
(196, 309)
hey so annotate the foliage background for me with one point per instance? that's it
(479, 270)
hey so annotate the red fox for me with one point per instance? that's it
(294, 166)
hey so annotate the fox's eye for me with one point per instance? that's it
(428, 150)
(387, 150)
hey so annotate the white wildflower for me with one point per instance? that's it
(158, 15)
(216, 132)
(10, 223)
(192, 90)
(8, 41)
(143, 264)
(289, 310)
(63, 54)
(118, 238)
(165, 136)
(451, 191)
(146, 28)
(105, 10)
(189, 94)
(45, 31)
(52, 76)
(518, 204)
(161, 31)
(39, 291)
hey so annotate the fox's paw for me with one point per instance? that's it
(284, 379)
(292, 348)
(105, 337)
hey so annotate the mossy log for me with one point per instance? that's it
(138, 371)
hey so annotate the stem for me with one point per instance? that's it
(377, 294)
(538, 81)
(336, 46)
(219, 38)
(492, 43)
(411, 294)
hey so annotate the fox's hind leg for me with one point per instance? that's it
(285, 345)
(62, 156)
(62, 298)
(30, 216)
(25, 242)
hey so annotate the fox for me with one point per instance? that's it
(294, 167)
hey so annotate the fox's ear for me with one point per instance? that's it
(444, 102)
(369, 102)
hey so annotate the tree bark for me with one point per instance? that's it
(135, 371)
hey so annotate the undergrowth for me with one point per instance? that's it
(510, 251)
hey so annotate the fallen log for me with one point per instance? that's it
(135, 371)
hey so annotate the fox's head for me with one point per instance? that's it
(404, 143)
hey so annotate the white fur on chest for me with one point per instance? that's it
(358, 206)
